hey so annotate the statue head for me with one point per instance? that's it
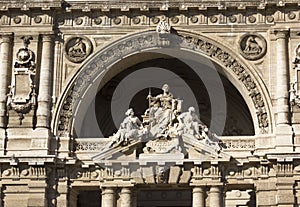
(191, 109)
(165, 88)
(129, 112)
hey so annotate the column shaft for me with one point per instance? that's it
(108, 197)
(282, 85)
(215, 199)
(44, 97)
(126, 197)
(5, 66)
(198, 197)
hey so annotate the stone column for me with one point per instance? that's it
(198, 197)
(215, 198)
(62, 190)
(108, 197)
(126, 197)
(5, 69)
(134, 198)
(283, 131)
(44, 97)
(73, 198)
(1, 196)
(282, 74)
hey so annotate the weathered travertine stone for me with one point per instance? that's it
(198, 197)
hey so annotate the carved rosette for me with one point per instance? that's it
(22, 96)
(252, 46)
(78, 48)
(186, 40)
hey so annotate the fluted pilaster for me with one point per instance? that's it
(282, 74)
(45, 83)
(5, 69)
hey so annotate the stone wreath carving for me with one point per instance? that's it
(22, 95)
(148, 40)
(252, 46)
(77, 49)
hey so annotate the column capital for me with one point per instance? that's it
(47, 36)
(215, 188)
(126, 190)
(108, 190)
(198, 189)
(6, 36)
(280, 33)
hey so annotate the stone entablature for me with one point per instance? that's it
(143, 5)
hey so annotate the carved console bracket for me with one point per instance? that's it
(22, 96)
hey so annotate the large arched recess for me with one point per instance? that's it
(93, 73)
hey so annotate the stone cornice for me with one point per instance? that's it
(143, 5)
(26, 5)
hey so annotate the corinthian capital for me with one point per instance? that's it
(281, 33)
(6, 37)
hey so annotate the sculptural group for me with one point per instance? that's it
(163, 124)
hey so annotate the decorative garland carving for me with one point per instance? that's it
(151, 40)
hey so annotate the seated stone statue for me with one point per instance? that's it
(131, 127)
(160, 112)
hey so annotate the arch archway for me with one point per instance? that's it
(93, 74)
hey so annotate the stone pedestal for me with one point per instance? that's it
(37, 194)
(27, 141)
(198, 197)
(284, 138)
(285, 192)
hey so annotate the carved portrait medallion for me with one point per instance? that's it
(252, 46)
(78, 48)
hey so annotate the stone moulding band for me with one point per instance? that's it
(145, 41)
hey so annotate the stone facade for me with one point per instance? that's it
(61, 65)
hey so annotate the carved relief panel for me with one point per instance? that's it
(253, 46)
(77, 49)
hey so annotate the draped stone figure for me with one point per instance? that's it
(131, 127)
